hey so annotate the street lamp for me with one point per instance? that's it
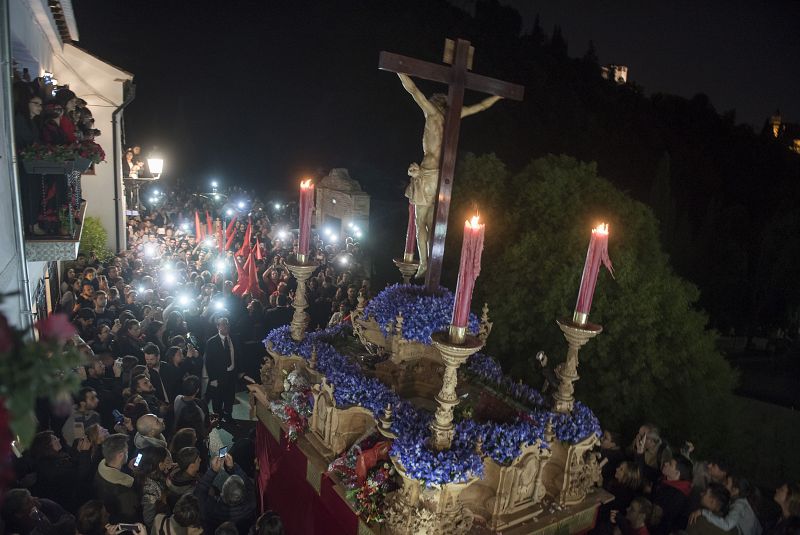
(156, 165)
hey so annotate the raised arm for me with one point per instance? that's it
(414, 91)
(485, 104)
(731, 520)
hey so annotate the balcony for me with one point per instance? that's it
(51, 247)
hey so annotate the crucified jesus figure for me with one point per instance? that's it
(425, 176)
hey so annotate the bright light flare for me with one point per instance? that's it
(602, 228)
(474, 222)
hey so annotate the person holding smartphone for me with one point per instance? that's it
(115, 487)
(236, 502)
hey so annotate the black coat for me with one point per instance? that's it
(124, 345)
(278, 317)
(674, 505)
(121, 501)
(172, 378)
(57, 475)
(216, 358)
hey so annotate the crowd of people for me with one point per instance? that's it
(168, 337)
(51, 124)
(169, 334)
(660, 491)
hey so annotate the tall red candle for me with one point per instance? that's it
(468, 271)
(597, 253)
(411, 235)
(306, 207)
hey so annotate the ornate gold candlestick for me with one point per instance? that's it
(407, 267)
(454, 353)
(301, 272)
(567, 371)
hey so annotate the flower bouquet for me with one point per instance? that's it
(91, 151)
(61, 159)
(295, 406)
(367, 475)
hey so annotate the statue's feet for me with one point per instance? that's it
(421, 270)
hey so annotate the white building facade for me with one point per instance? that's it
(38, 35)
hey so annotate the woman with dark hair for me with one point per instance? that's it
(625, 486)
(155, 334)
(68, 100)
(52, 134)
(155, 464)
(175, 326)
(57, 468)
(92, 518)
(27, 130)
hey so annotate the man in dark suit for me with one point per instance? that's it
(222, 358)
(280, 315)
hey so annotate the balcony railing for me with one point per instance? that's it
(53, 209)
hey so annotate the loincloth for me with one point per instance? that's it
(422, 188)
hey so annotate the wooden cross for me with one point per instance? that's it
(458, 78)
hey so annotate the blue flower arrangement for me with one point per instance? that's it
(423, 314)
(502, 442)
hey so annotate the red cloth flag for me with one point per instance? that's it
(242, 281)
(230, 241)
(229, 230)
(209, 224)
(259, 254)
(245, 249)
(198, 230)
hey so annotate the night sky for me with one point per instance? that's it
(263, 92)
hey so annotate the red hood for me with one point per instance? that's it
(684, 486)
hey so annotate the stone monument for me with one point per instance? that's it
(341, 204)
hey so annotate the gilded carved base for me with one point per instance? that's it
(418, 510)
(508, 496)
(573, 471)
(331, 429)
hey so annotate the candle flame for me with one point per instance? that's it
(602, 228)
(474, 222)
(305, 184)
